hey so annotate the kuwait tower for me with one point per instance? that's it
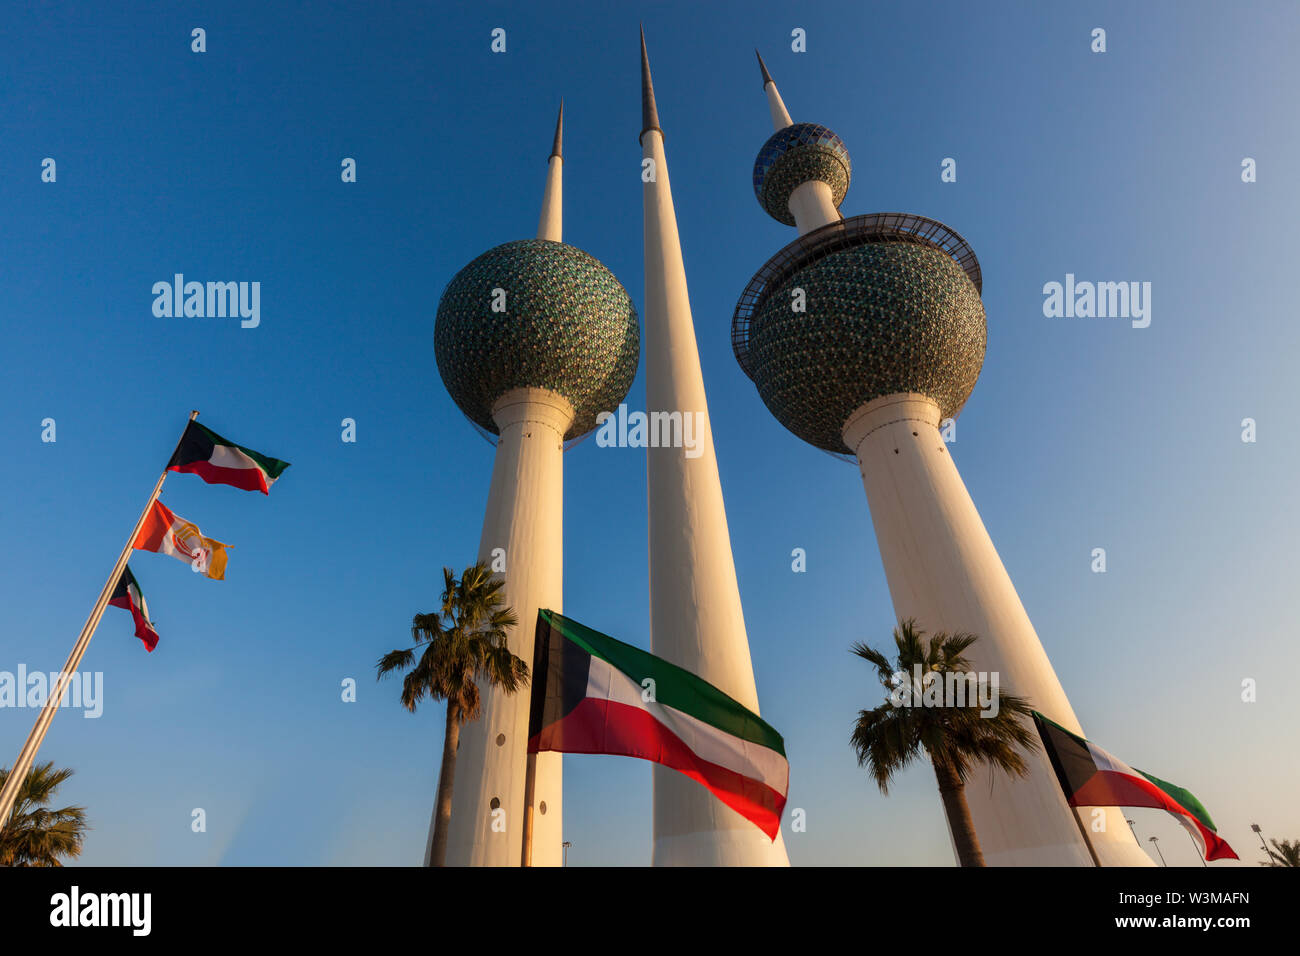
(863, 335)
(696, 621)
(533, 339)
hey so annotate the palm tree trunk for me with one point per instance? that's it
(953, 793)
(446, 780)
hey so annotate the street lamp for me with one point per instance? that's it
(1260, 833)
(564, 860)
(1162, 856)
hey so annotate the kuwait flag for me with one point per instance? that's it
(588, 698)
(217, 461)
(1091, 777)
(165, 533)
(127, 594)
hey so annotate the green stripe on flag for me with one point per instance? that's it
(273, 467)
(1184, 799)
(674, 687)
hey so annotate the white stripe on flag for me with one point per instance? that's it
(744, 757)
(1105, 761)
(223, 456)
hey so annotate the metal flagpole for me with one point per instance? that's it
(1074, 812)
(1198, 849)
(540, 655)
(530, 791)
(18, 773)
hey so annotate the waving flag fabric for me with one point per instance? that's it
(129, 596)
(1091, 777)
(166, 533)
(219, 461)
(595, 695)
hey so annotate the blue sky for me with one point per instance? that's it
(1081, 433)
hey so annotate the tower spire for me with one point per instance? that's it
(557, 149)
(780, 115)
(649, 113)
(534, 393)
(696, 619)
(550, 226)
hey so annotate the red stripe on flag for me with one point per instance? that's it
(248, 479)
(598, 726)
(142, 629)
(1106, 788)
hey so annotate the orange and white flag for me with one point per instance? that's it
(166, 533)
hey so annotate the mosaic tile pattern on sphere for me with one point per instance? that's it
(798, 154)
(882, 318)
(568, 326)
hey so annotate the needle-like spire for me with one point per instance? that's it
(557, 146)
(549, 226)
(696, 618)
(649, 113)
(780, 115)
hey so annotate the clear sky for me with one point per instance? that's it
(1081, 433)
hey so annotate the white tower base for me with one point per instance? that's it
(943, 571)
(525, 520)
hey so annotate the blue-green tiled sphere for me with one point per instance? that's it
(568, 326)
(882, 317)
(795, 155)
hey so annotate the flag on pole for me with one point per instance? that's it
(128, 595)
(592, 694)
(218, 461)
(1091, 777)
(166, 533)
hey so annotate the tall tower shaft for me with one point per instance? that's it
(696, 620)
(534, 339)
(523, 525)
(891, 344)
(944, 571)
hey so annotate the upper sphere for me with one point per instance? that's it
(796, 155)
(568, 325)
(881, 317)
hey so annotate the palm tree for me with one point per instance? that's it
(464, 643)
(34, 835)
(956, 738)
(1286, 853)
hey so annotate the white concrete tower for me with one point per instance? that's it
(696, 619)
(889, 345)
(533, 339)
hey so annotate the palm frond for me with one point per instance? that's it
(36, 835)
(464, 646)
(889, 738)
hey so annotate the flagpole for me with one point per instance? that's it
(530, 767)
(1198, 849)
(27, 756)
(530, 787)
(1074, 812)
(1038, 720)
